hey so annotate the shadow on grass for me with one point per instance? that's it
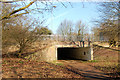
(113, 71)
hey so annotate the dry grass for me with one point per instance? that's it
(106, 60)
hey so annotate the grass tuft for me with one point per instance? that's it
(93, 61)
(21, 62)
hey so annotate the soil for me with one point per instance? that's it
(21, 68)
(89, 72)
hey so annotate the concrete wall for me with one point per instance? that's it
(51, 53)
(47, 54)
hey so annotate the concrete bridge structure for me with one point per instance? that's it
(62, 52)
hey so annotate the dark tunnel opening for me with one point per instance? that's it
(66, 53)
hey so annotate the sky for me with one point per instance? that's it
(86, 12)
(74, 11)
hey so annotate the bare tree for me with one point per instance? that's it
(20, 34)
(108, 23)
(65, 29)
(16, 28)
(108, 11)
(96, 31)
(80, 28)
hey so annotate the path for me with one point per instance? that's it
(89, 72)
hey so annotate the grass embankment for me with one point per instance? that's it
(106, 60)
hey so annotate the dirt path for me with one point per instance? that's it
(90, 73)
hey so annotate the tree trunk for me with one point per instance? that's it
(22, 46)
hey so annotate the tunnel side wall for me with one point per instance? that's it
(84, 53)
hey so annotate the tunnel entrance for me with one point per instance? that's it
(66, 53)
(74, 53)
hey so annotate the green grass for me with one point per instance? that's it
(56, 63)
(59, 64)
(21, 62)
(13, 67)
(93, 61)
(5, 62)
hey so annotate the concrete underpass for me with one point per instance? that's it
(74, 53)
(62, 52)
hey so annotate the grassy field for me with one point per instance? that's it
(105, 60)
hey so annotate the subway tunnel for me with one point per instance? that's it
(73, 53)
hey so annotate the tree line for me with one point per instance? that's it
(73, 31)
(107, 27)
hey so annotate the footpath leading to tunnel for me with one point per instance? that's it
(89, 72)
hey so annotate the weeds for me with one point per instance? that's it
(21, 62)
(89, 61)
(93, 61)
(56, 63)
(13, 67)
(5, 62)
(59, 64)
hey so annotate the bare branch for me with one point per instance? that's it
(71, 5)
(15, 11)
(8, 1)
(21, 8)
(13, 16)
(64, 5)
